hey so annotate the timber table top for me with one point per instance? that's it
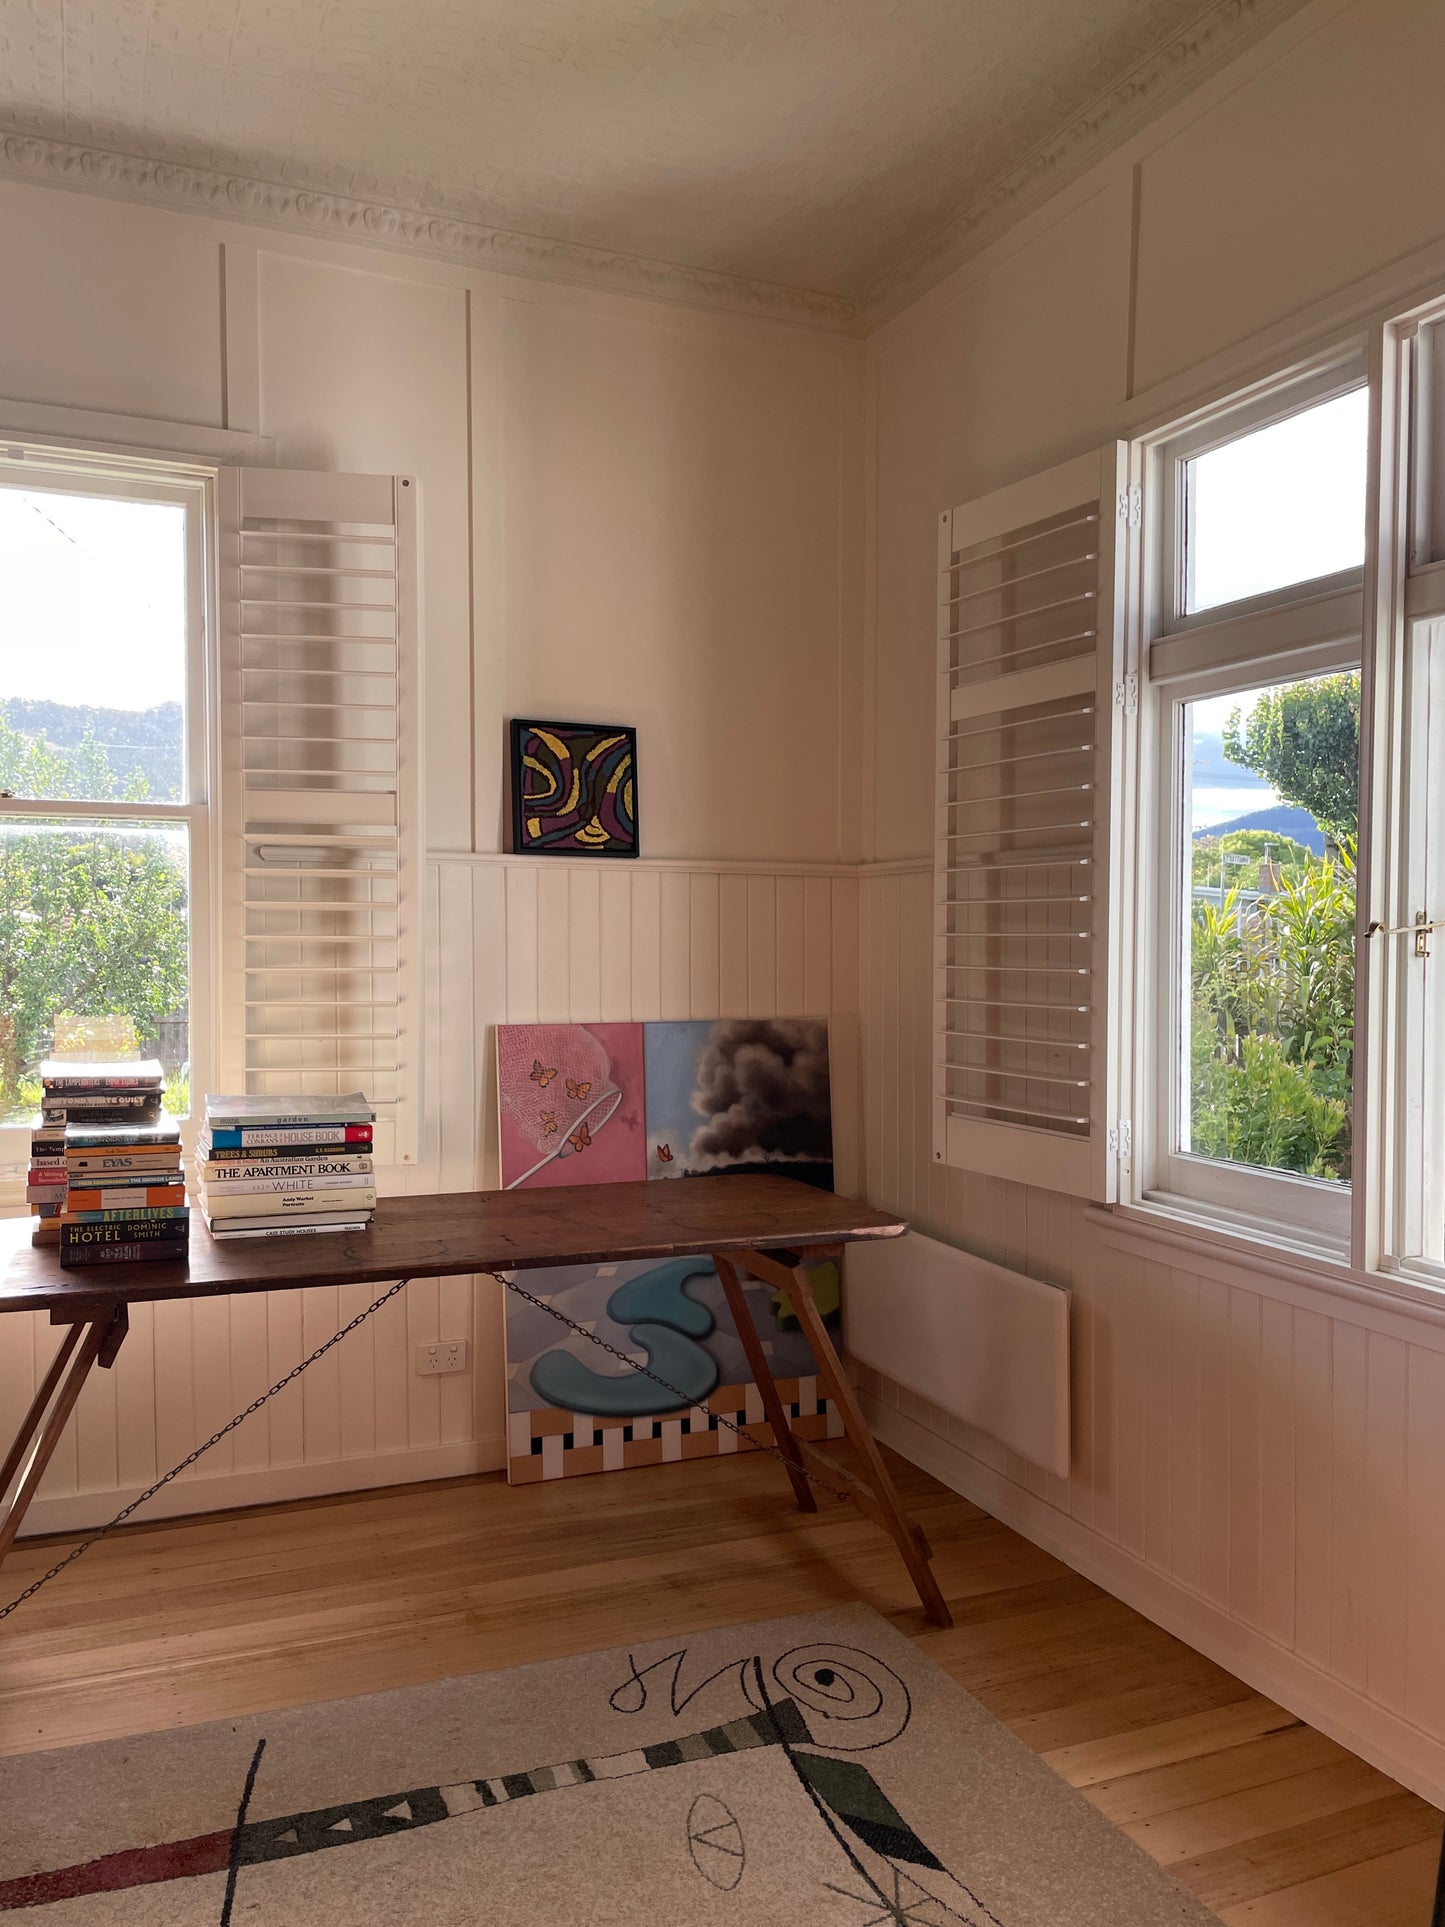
(457, 1232)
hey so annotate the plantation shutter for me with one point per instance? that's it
(319, 816)
(1031, 704)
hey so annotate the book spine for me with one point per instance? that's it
(287, 1204)
(288, 1180)
(130, 1197)
(250, 1135)
(138, 1231)
(124, 1084)
(124, 1161)
(283, 1121)
(133, 1213)
(263, 1156)
(99, 1101)
(287, 1230)
(159, 1253)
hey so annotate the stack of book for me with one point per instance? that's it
(274, 1166)
(105, 1165)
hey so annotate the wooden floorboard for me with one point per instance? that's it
(1271, 1824)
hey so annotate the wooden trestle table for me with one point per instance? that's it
(765, 1226)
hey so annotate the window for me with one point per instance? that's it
(1190, 869)
(104, 832)
(1253, 720)
(1279, 505)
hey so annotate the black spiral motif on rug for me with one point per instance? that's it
(851, 1700)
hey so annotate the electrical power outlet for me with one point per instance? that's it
(447, 1355)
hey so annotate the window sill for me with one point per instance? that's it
(1192, 1240)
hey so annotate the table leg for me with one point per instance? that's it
(762, 1374)
(89, 1340)
(876, 1498)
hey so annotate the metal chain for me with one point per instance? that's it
(151, 1490)
(719, 1418)
(94, 1538)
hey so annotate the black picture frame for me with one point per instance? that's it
(520, 731)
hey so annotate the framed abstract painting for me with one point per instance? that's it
(574, 789)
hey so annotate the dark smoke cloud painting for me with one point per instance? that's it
(739, 1094)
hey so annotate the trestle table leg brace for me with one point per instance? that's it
(875, 1496)
(93, 1338)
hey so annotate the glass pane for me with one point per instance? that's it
(92, 647)
(1282, 505)
(1270, 783)
(94, 950)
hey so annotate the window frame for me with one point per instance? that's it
(63, 467)
(1311, 627)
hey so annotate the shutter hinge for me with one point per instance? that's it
(1126, 695)
(1121, 1140)
(1131, 505)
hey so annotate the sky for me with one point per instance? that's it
(1278, 506)
(92, 599)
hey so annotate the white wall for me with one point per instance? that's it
(1257, 1464)
(632, 512)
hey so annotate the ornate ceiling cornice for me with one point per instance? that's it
(1220, 33)
(340, 217)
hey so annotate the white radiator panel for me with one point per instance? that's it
(988, 1345)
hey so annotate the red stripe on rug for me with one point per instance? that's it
(135, 1867)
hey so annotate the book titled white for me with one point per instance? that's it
(287, 1230)
(277, 1174)
(282, 1204)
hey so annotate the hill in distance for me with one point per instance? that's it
(148, 740)
(1284, 819)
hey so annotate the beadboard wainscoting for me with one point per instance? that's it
(508, 940)
(1257, 1465)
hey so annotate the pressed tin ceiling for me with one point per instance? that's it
(804, 153)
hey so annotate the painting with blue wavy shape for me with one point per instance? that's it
(571, 1409)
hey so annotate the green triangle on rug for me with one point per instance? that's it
(816, 1769)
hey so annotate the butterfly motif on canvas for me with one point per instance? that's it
(580, 1138)
(539, 1074)
(576, 1088)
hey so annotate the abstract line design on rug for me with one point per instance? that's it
(835, 1697)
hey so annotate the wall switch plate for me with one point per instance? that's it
(447, 1355)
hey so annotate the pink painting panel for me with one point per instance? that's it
(572, 1104)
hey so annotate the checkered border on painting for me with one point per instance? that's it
(551, 1444)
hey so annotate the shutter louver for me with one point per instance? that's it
(320, 796)
(1030, 642)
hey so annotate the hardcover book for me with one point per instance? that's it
(286, 1204)
(233, 1112)
(265, 1221)
(159, 1252)
(129, 1197)
(73, 1074)
(241, 1174)
(314, 1228)
(246, 1136)
(85, 1237)
(164, 1130)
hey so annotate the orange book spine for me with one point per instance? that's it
(134, 1195)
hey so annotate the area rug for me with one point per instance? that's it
(816, 1769)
